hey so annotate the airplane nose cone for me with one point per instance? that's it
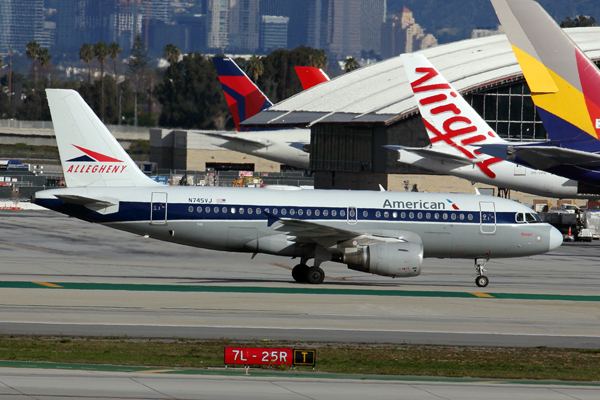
(556, 238)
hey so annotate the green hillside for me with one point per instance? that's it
(451, 20)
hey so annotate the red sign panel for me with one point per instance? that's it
(258, 356)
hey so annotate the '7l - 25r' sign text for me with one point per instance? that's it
(269, 356)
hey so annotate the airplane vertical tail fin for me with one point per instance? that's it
(243, 97)
(89, 153)
(564, 83)
(311, 76)
(448, 118)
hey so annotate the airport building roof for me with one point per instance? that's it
(380, 93)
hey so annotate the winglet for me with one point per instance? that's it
(243, 97)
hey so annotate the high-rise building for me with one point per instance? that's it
(345, 27)
(273, 32)
(22, 21)
(372, 16)
(233, 24)
(401, 34)
(218, 24)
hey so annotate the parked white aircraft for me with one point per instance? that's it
(384, 233)
(456, 131)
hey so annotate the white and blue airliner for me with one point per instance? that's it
(383, 233)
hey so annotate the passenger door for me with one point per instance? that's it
(158, 209)
(487, 215)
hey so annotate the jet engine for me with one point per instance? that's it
(395, 259)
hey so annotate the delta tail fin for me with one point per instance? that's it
(243, 97)
(311, 76)
(564, 83)
(448, 118)
(90, 155)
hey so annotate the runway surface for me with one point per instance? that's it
(60, 275)
(58, 384)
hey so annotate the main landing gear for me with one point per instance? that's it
(302, 273)
(481, 280)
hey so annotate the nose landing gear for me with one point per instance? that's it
(481, 280)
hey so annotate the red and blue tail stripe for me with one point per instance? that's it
(243, 97)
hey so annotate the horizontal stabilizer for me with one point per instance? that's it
(543, 157)
(221, 139)
(427, 152)
(103, 206)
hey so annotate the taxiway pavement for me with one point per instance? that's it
(112, 271)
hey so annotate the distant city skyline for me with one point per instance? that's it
(343, 28)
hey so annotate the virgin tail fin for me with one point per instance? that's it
(448, 118)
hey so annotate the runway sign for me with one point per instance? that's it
(269, 356)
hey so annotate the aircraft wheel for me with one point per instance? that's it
(315, 275)
(482, 281)
(300, 273)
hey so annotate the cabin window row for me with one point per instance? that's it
(274, 211)
(435, 216)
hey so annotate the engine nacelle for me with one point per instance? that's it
(396, 259)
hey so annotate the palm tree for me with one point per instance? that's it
(43, 58)
(101, 52)
(351, 64)
(114, 50)
(171, 53)
(32, 52)
(318, 59)
(86, 54)
(255, 67)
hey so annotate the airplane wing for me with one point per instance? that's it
(228, 137)
(430, 153)
(330, 237)
(543, 157)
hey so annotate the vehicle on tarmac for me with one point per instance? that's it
(565, 87)
(245, 99)
(383, 233)
(455, 132)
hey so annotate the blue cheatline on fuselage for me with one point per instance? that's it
(140, 211)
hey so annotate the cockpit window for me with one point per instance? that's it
(520, 217)
(534, 218)
(529, 218)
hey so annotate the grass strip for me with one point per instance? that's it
(392, 360)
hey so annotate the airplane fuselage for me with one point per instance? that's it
(501, 173)
(246, 220)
